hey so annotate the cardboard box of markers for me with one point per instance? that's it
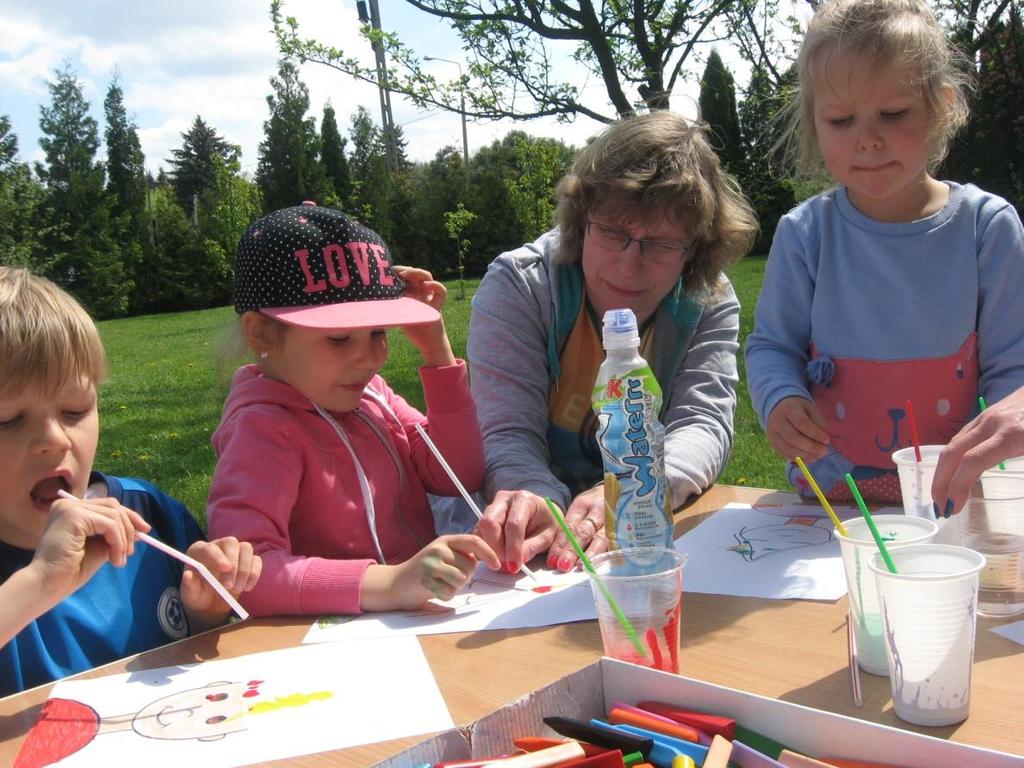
(588, 692)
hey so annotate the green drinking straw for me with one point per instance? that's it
(983, 405)
(560, 519)
(871, 524)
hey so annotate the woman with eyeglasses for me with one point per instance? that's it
(647, 220)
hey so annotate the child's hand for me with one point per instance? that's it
(797, 428)
(233, 563)
(79, 537)
(429, 338)
(438, 570)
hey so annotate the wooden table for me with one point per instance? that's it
(794, 650)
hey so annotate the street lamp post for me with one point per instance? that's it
(462, 113)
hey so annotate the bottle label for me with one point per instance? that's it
(638, 501)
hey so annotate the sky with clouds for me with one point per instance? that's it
(214, 58)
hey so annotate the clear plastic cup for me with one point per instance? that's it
(992, 523)
(647, 585)
(916, 486)
(858, 547)
(929, 611)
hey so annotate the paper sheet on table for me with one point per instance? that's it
(489, 601)
(1013, 631)
(772, 550)
(239, 711)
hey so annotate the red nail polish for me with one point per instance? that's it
(513, 567)
(553, 560)
(564, 564)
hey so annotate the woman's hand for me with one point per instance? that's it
(586, 519)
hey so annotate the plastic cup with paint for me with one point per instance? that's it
(929, 611)
(916, 487)
(858, 547)
(992, 523)
(647, 584)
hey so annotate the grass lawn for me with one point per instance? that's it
(169, 376)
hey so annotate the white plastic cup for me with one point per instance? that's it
(916, 487)
(647, 585)
(929, 610)
(858, 547)
(992, 523)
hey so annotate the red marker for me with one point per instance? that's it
(535, 743)
(610, 759)
(712, 724)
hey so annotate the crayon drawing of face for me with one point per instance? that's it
(204, 714)
(767, 540)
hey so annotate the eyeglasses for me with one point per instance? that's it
(661, 252)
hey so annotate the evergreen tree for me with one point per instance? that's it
(718, 110)
(371, 182)
(332, 155)
(85, 251)
(289, 170)
(126, 169)
(761, 177)
(191, 170)
(20, 196)
(126, 176)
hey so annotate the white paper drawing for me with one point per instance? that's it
(489, 601)
(769, 550)
(239, 711)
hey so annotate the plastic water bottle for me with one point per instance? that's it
(627, 400)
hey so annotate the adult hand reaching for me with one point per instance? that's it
(518, 526)
(995, 435)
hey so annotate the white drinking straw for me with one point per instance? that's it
(462, 489)
(169, 550)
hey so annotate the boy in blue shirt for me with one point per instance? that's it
(76, 589)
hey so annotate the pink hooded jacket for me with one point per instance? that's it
(286, 482)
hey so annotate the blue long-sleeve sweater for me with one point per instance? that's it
(861, 315)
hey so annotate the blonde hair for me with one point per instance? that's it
(659, 162)
(46, 338)
(894, 32)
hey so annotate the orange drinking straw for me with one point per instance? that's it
(913, 430)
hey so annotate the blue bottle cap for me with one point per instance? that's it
(620, 330)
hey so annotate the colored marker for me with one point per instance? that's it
(711, 724)
(543, 758)
(605, 736)
(683, 761)
(611, 758)
(665, 747)
(719, 753)
(792, 759)
(633, 716)
(748, 757)
(759, 742)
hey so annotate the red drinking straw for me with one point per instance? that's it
(913, 430)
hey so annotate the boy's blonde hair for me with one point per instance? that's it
(46, 338)
(894, 32)
(659, 162)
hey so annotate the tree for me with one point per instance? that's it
(762, 175)
(84, 248)
(192, 165)
(126, 165)
(20, 197)
(289, 170)
(371, 183)
(456, 222)
(126, 177)
(639, 51)
(718, 110)
(990, 149)
(332, 155)
(540, 163)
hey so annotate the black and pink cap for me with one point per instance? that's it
(317, 268)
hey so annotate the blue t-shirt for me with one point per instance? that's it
(118, 612)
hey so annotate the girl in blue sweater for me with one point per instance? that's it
(893, 285)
